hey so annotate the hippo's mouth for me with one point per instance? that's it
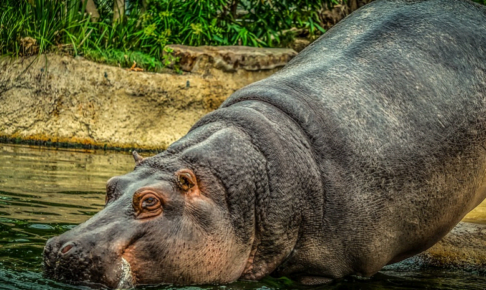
(124, 277)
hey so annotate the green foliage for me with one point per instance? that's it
(169, 60)
(48, 22)
(231, 22)
(34, 26)
(185, 22)
(124, 59)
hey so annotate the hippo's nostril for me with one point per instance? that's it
(67, 247)
(52, 247)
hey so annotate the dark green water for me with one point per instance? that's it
(45, 192)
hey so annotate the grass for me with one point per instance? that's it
(30, 27)
(124, 59)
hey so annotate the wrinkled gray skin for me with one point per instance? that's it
(364, 150)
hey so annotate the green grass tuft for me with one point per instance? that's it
(124, 59)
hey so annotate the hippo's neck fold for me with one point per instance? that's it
(291, 176)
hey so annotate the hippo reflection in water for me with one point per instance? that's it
(366, 149)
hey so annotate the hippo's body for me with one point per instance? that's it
(367, 148)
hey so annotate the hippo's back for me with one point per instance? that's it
(393, 101)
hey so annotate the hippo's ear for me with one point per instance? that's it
(137, 157)
(186, 180)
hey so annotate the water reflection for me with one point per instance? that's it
(58, 186)
(45, 192)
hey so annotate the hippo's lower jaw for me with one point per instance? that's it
(125, 280)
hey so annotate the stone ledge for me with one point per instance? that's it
(464, 247)
(230, 58)
(64, 100)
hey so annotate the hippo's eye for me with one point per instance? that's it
(184, 181)
(147, 204)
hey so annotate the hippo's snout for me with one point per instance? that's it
(49, 258)
(84, 256)
(65, 260)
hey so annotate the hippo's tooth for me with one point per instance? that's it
(126, 280)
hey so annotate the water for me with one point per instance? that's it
(45, 192)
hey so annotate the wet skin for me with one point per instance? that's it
(366, 149)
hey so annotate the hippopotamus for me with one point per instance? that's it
(365, 149)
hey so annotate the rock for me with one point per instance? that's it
(464, 247)
(74, 100)
(230, 58)
(299, 44)
(330, 17)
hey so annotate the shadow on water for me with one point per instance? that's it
(45, 192)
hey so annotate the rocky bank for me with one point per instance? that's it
(60, 99)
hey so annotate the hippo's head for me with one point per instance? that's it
(168, 221)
